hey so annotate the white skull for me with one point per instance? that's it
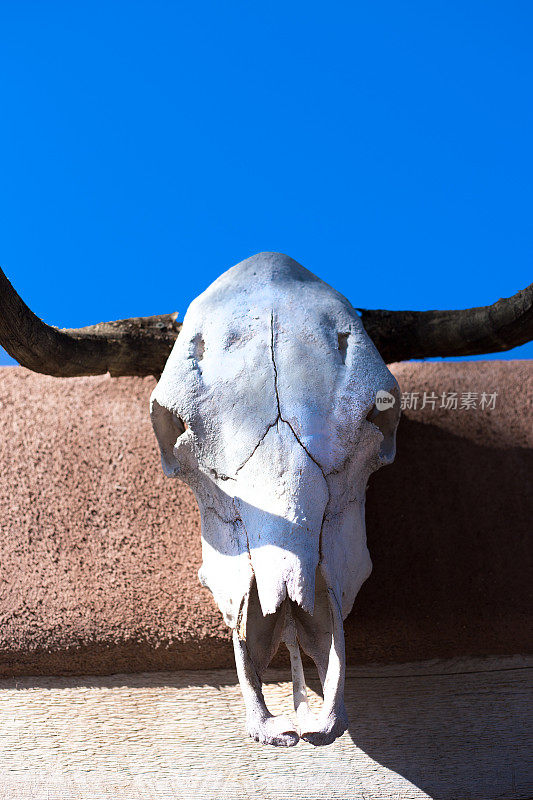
(267, 409)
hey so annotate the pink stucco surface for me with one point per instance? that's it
(99, 551)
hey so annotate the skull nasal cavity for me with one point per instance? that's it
(343, 345)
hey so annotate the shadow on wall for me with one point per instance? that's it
(448, 528)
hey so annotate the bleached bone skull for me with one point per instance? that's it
(267, 409)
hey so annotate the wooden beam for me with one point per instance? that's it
(445, 730)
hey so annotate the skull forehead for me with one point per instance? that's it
(259, 284)
(267, 337)
(262, 275)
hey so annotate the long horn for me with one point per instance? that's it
(401, 335)
(141, 345)
(137, 346)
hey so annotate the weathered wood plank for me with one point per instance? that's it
(447, 730)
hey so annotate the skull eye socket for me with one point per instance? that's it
(168, 428)
(179, 425)
(342, 339)
(373, 414)
(386, 420)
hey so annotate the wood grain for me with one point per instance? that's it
(448, 730)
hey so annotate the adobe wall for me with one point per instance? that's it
(99, 551)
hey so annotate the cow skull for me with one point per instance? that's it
(267, 409)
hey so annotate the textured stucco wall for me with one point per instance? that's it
(99, 551)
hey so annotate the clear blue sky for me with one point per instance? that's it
(147, 147)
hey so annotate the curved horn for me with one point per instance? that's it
(137, 346)
(401, 335)
(141, 345)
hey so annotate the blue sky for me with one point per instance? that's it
(147, 147)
